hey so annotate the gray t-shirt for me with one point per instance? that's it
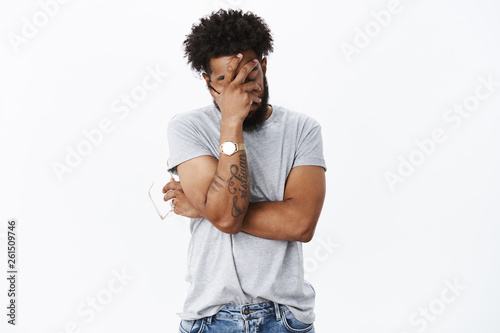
(225, 269)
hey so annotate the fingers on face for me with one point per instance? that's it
(252, 87)
(231, 68)
(230, 75)
(245, 70)
(254, 99)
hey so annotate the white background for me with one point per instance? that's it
(393, 250)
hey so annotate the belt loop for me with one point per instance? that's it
(209, 320)
(277, 310)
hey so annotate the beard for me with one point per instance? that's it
(254, 121)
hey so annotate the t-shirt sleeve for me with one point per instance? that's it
(310, 146)
(184, 142)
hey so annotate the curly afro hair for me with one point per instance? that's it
(226, 33)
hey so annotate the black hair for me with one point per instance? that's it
(226, 33)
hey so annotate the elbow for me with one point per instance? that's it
(231, 226)
(306, 233)
(305, 237)
(225, 223)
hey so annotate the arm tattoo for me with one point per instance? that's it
(216, 182)
(237, 185)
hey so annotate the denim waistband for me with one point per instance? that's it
(249, 311)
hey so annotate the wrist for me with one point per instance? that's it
(232, 121)
(231, 130)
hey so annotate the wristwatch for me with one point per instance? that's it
(229, 148)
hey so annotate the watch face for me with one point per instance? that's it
(228, 148)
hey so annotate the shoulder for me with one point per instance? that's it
(200, 119)
(196, 116)
(299, 119)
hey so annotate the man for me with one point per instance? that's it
(252, 180)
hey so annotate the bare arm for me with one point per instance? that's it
(219, 191)
(295, 217)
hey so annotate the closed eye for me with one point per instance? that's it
(220, 78)
(253, 74)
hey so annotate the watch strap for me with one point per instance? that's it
(239, 147)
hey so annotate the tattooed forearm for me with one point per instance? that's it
(236, 211)
(217, 182)
(237, 184)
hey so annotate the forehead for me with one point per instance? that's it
(220, 64)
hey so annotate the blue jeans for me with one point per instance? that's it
(267, 317)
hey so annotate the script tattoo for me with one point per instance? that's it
(237, 185)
